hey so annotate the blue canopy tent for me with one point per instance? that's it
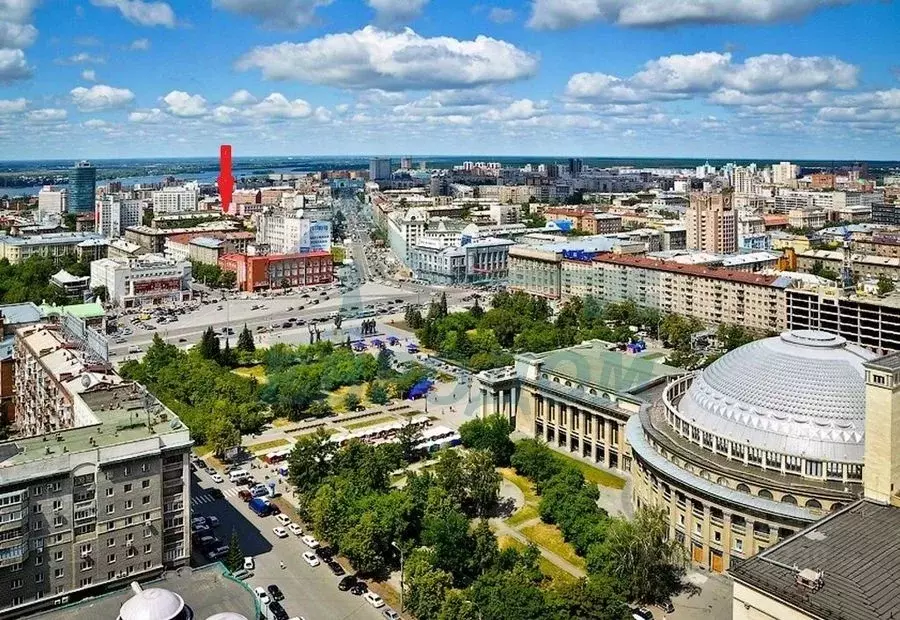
(420, 389)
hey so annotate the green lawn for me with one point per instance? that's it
(202, 451)
(257, 372)
(368, 422)
(265, 446)
(547, 567)
(550, 538)
(336, 398)
(530, 509)
(523, 514)
(594, 475)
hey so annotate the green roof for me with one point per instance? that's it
(82, 311)
(591, 363)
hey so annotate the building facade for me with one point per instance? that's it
(82, 188)
(56, 246)
(115, 214)
(52, 203)
(150, 279)
(288, 232)
(379, 169)
(711, 223)
(175, 199)
(279, 270)
(97, 491)
(481, 261)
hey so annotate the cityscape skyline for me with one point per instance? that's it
(793, 79)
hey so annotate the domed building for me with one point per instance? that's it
(766, 440)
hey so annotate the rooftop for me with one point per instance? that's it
(695, 270)
(89, 310)
(15, 314)
(591, 363)
(52, 238)
(207, 591)
(856, 553)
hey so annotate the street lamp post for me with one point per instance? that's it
(397, 547)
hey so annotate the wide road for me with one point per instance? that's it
(309, 592)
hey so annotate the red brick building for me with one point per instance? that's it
(277, 270)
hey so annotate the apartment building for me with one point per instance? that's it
(404, 229)
(481, 261)
(175, 199)
(153, 240)
(52, 203)
(82, 245)
(875, 243)
(807, 219)
(862, 265)
(288, 232)
(712, 295)
(711, 223)
(96, 493)
(147, 280)
(114, 215)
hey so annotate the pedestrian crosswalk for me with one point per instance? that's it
(206, 498)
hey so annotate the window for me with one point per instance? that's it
(56, 486)
(15, 584)
(57, 556)
(38, 560)
(131, 552)
(57, 521)
(58, 573)
(111, 525)
(126, 470)
(145, 467)
(86, 581)
(698, 528)
(58, 538)
(37, 490)
(86, 565)
(145, 484)
(39, 578)
(110, 542)
(129, 539)
(111, 575)
(36, 509)
(148, 548)
(35, 525)
(86, 548)
(738, 544)
(109, 492)
(15, 567)
(717, 536)
(128, 487)
(129, 520)
(129, 504)
(110, 509)
(111, 558)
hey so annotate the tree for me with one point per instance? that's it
(457, 607)
(377, 393)
(484, 548)
(885, 285)
(384, 363)
(310, 460)
(443, 304)
(482, 481)
(647, 564)
(445, 528)
(450, 471)
(101, 293)
(352, 401)
(413, 317)
(476, 310)
(595, 598)
(226, 356)
(222, 435)
(408, 437)
(245, 340)
(492, 434)
(425, 585)
(209, 345)
(234, 559)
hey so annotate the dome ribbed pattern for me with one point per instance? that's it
(152, 604)
(801, 393)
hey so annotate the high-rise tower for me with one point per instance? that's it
(82, 188)
(225, 180)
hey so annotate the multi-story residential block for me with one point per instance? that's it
(274, 271)
(862, 265)
(83, 245)
(404, 229)
(96, 492)
(287, 232)
(713, 295)
(52, 203)
(711, 223)
(153, 240)
(115, 214)
(207, 248)
(147, 279)
(379, 168)
(175, 199)
(480, 261)
(785, 173)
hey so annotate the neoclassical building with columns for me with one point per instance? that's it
(765, 441)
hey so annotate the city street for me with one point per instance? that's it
(310, 593)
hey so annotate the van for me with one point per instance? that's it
(237, 475)
(260, 490)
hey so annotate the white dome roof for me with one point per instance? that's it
(801, 394)
(152, 604)
(227, 615)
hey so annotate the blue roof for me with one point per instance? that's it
(14, 314)
(420, 388)
(563, 225)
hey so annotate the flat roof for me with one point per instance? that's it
(27, 312)
(857, 554)
(592, 363)
(207, 591)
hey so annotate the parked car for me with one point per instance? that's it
(283, 519)
(218, 479)
(277, 611)
(641, 613)
(245, 495)
(280, 532)
(310, 542)
(262, 595)
(667, 606)
(373, 599)
(390, 614)
(295, 529)
(347, 583)
(310, 558)
(336, 568)
(276, 592)
(249, 564)
(359, 588)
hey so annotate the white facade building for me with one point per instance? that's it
(404, 230)
(148, 280)
(52, 202)
(176, 199)
(288, 232)
(785, 172)
(114, 215)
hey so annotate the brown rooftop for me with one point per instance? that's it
(695, 270)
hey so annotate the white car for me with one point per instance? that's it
(283, 519)
(374, 600)
(280, 532)
(310, 558)
(218, 479)
(249, 564)
(263, 596)
(295, 529)
(310, 542)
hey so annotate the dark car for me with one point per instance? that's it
(336, 568)
(245, 495)
(359, 588)
(276, 592)
(325, 553)
(347, 583)
(277, 611)
(217, 493)
(667, 606)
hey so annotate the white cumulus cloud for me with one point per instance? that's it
(181, 103)
(89, 74)
(499, 15)
(12, 106)
(141, 12)
(375, 58)
(278, 14)
(559, 14)
(277, 105)
(101, 97)
(139, 45)
(523, 109)
(240, 97)
(153, 115)
(13, 65)
(46, 115)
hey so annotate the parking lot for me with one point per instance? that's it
(310, 592)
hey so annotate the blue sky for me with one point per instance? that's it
(681, 78)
